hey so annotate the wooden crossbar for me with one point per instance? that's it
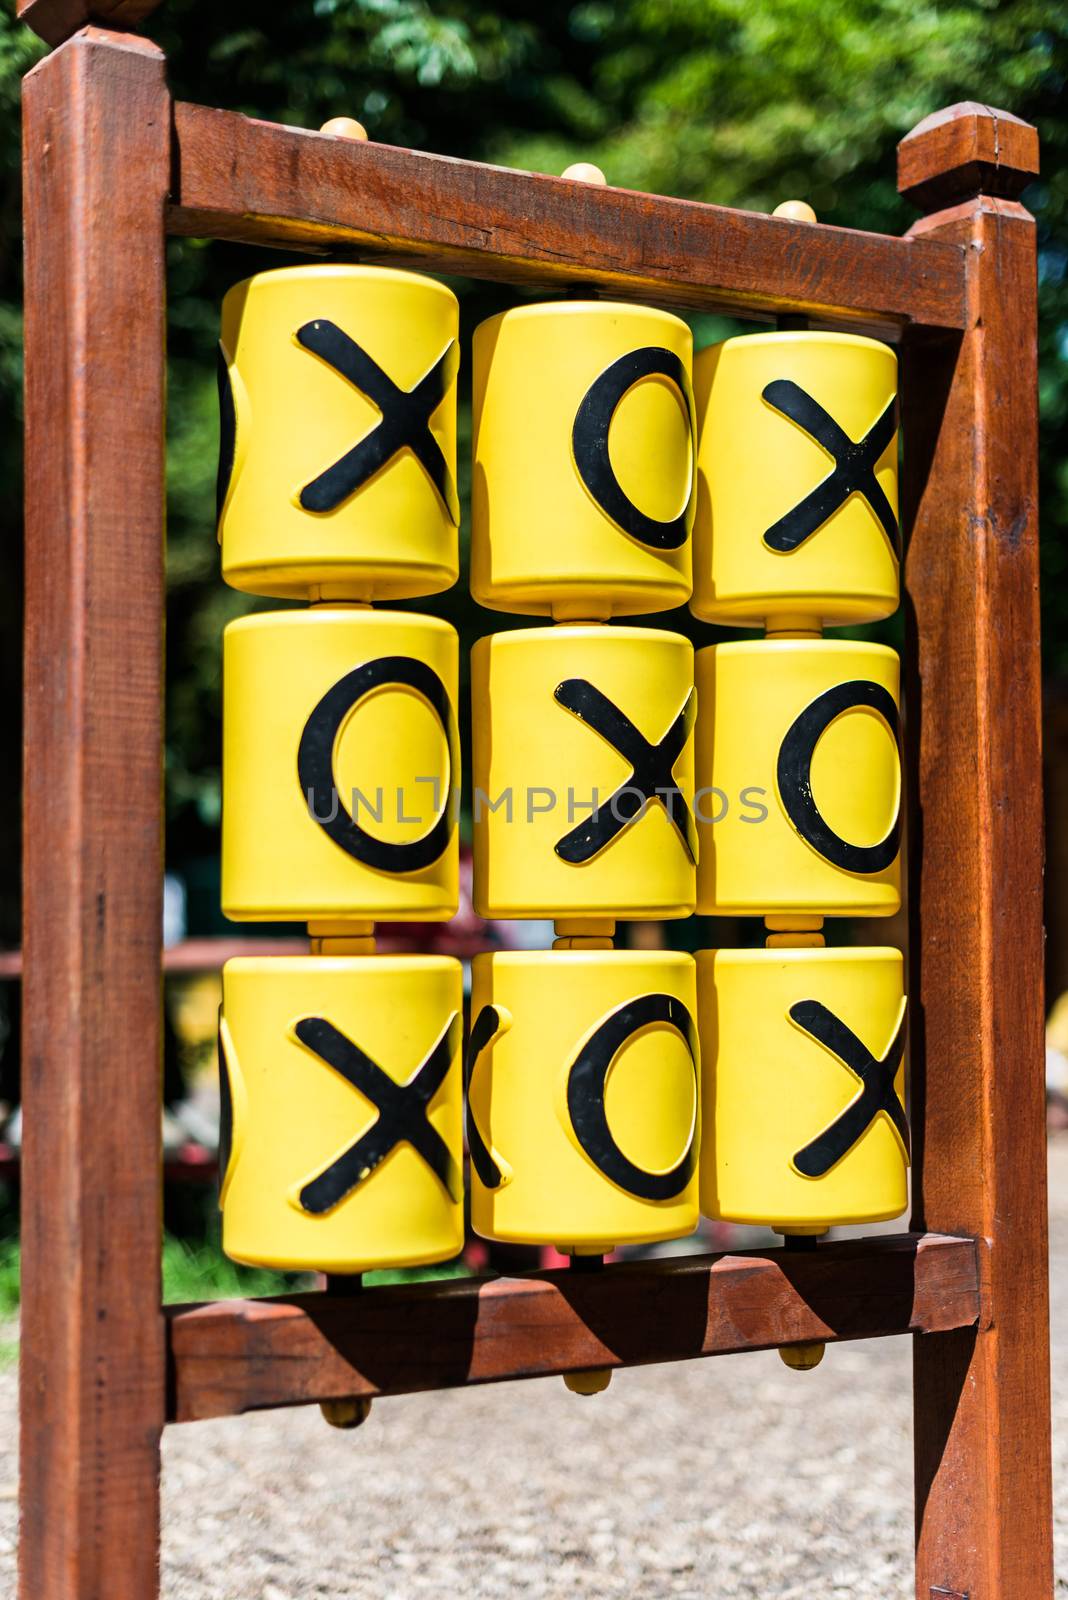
(236, 178)
(243, 1355)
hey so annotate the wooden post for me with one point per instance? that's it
(983, 1496)
(96, 171)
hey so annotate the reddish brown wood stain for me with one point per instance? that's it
(240, 179)
(232, 1357)
(56, 20)
(92, 1393)
(983, 1491)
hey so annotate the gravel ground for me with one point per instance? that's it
(707, 1480)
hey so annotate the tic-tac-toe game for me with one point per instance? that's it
(630, 844)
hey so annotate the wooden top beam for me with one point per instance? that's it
(240, 179)
(235, 1356)
(57, 20)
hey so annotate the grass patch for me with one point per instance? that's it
(444, 1269)
(9, 1278)
(199, 1271)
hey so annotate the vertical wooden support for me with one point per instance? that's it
(96, 167)
(983, 1497)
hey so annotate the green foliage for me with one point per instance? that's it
(198, 1270)
(9, 1278)
(743, 102)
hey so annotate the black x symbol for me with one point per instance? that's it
(402, 1113)
(405, 420)
(854, 467)
(877, 1094)
(484, 1030)
(650, 779)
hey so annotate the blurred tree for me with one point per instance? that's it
(742, 102)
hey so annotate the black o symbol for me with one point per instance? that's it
(586, 1095)
(589, 443)
(795, 775)
(315, 763)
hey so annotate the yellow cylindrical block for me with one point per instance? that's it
(582, 497)
(341, 1144)
(337, 468)
(583, 773)
(796, 479)
(802, 1086)
(583, 1100)
(798, 779)
(341, 767)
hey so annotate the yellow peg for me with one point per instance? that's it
(792, 210)
(344, 128)
(590, 1380)
(584, 172)
(347, 1413)
(802, 1357)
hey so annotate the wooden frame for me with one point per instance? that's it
(110, 167)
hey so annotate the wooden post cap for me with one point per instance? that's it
(963, 151)
(58, 20)
(795, 211)
(584, 172)
(344, 128)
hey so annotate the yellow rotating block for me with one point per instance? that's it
(582, 499)
(803, 1084)
(337, 459)
(796, 479)
(340, 1145)
(798, 779)
(341, 766)
(583, 773)
(582, 1118)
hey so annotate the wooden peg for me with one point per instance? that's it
(344, 128)
(346, 1413)
(795, 211)
(585, 172)
(590, 1380)
(802, 1357)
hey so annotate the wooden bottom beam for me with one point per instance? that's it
(246, 1355)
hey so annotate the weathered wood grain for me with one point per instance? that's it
(259, 181)
(236, 1356)
(973, 708)
(96, 166)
